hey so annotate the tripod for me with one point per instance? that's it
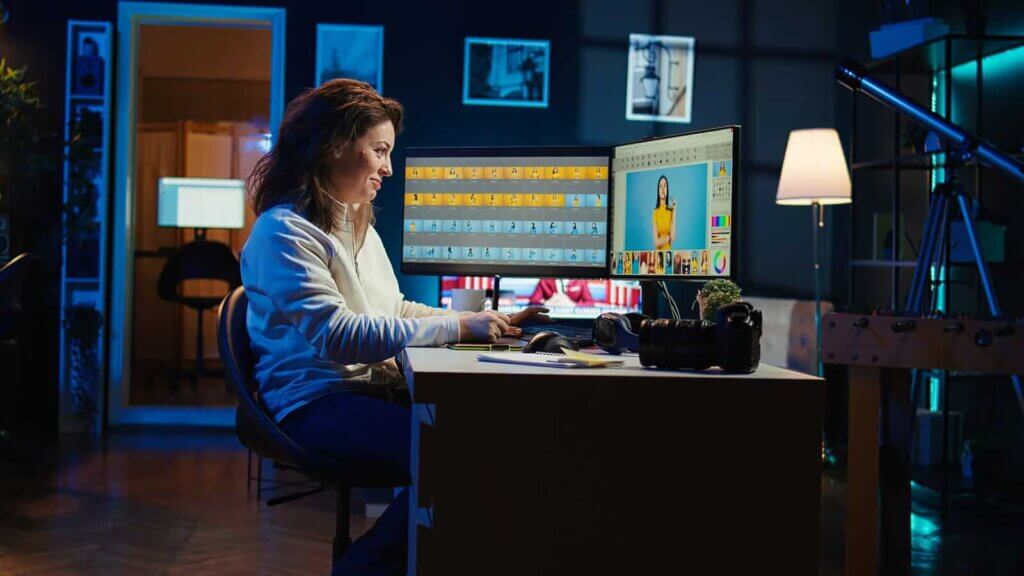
(946, 198)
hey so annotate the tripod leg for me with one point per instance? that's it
(986, 283)
(932, 229)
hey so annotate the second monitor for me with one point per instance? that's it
(506, 211)
(674, 206)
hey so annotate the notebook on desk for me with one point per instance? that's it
(504, 344)
(571, 359)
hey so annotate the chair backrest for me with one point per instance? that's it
(200, 260)
(254, 426)
(12, 286)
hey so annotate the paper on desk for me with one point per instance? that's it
(538, 359)
(571, 359)
(588, 360)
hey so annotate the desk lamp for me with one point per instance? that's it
(200, 204)
(814, 174)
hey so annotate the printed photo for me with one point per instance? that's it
(506, 72)
(659, 85)
(350, 51)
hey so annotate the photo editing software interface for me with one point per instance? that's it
(567, 298)
(500, 213)
(673, 206)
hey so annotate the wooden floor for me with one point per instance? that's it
(156, 503)
(175, 503)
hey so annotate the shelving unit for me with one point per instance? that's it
(926, 73)
(87, 106)
(892, 183)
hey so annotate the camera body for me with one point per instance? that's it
(732, 341)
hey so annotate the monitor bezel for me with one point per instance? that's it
(556, 317)
(733, 245)
(510, 271)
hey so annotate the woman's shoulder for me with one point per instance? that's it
(285, 222)
(283, 217)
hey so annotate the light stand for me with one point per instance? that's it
(817, 223)
(814, 173)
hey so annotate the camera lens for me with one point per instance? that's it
(677, 344)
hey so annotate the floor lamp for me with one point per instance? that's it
(814, 174)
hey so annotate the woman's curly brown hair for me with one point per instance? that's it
(318, 125)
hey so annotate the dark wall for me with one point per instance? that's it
(766, 65)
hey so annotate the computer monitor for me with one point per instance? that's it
(566, 298)
(674, 205)
(201, 203)
(506, 211)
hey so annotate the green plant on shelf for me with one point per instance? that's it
(715, 294)
(82, 325)
(83, 160)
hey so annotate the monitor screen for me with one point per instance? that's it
(201, 203)
(567, 298)
(506, 211)
(674, 206)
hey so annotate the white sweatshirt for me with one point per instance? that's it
(319, 313)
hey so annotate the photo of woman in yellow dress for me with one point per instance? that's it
(664, 217)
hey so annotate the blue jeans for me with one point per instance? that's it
(375, 434)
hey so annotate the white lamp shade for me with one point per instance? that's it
(814, 169)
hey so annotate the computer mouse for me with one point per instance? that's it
(549, 342)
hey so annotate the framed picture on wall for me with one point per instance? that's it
(506, 72)
(350, 51)
(659, 81)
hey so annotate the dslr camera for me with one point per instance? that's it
(732, 341)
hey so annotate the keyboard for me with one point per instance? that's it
(578, 334)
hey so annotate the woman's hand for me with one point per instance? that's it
(533, 315)
(486, 326)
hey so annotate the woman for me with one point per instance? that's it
(326, 317)
(664, 217)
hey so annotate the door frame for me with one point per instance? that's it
(130, 16)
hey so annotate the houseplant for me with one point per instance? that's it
(715, 294)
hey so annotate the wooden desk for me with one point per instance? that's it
(524, 470)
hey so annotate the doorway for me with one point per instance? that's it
(200, 93)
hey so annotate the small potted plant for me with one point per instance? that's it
(714, 295)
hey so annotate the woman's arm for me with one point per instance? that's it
(410, 309)
(286, 263)
(672, 229)
(654, 228)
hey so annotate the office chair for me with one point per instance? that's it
(12, 283)
(199, 260)
(258, 432)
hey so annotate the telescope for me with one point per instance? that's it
(963, 146)
(852, 75)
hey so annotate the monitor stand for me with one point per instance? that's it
(649, 295)
(496, 292)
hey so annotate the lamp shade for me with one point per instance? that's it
(814, 169)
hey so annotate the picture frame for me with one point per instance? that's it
(506, 72)
(350, 51)
(659, 78)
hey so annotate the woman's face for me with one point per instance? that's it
(662, 189)
(360, 170)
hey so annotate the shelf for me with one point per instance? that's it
(922, 161)
(931, 56)
(913, 264)
(883, 264)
